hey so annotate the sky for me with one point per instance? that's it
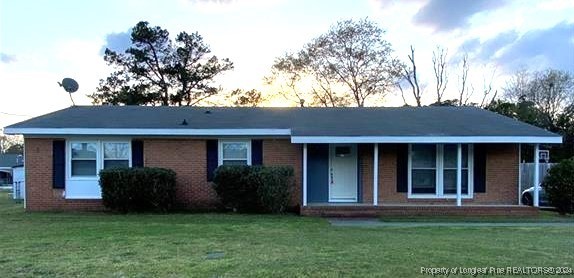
(43, 41)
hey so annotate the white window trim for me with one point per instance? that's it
(220, 149)
(439, 176)
(99, 157)
(102, 142)
(69, 160)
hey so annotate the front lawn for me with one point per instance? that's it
(544, 216)
(212, 245)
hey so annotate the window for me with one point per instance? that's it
(423, 168)
(433, 170)
(84, 159)
(237, 152)
(116, 155)
(342, 151)
(449, 168)
(87, 158)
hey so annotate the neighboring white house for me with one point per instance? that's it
(6, 163)
(18, 183)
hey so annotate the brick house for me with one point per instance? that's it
(347, 161)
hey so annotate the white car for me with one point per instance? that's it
(528, 196)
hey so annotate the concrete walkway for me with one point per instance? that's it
(372, 223)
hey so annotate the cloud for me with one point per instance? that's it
(552, 47)
(491, 47)
(388, 3)
(470, 46)
(488, 49)
(447, 15)
(7, 58)
(118, 42)
(214, 1)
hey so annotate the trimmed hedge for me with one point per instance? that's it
(235, 188)
(261, 189)
(559, 186)
(275, 188)
(138, 189)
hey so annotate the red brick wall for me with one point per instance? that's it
(187, 157)
(501, 175)
(366, 171)
(40, 196)
(281, 152)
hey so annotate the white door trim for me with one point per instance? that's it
(331, 152)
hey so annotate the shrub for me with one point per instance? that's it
(275, 188)
(254, 189)
(235, 188)
(138, 189)
(559, 186)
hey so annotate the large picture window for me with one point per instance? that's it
(234, 152)
(433, 170)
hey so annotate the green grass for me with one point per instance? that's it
(176, 245)
(543, 217)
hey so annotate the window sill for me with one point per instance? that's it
(84, 178)
(430, 196)
(83, 197)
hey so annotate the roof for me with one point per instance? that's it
(299, 123)
(8, 160)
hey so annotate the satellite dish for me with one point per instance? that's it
(71, 86)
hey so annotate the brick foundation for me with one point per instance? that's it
(410, 210)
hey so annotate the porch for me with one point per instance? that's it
(387, 179)
(362, 210)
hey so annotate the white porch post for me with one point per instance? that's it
(536, 178)
(459, 175)
(304, 175)
(376, 175)
(519, 174)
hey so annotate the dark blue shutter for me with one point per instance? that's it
(480, 168)
(318, 173)
(59, 164)
(402, 167)
(211, 158)
(137, 154)
(256, 152)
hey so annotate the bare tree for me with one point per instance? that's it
(489, 94)
(325, 95)
(347, 65)
(410, 74)
(439, 56)
(517, 86)
(402, 94)
(287, 72)
(466, 89)
(551, 90)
